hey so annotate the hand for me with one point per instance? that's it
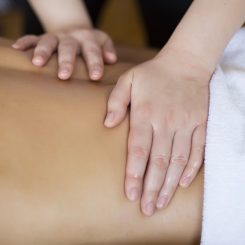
(169, 107)
(95, 46)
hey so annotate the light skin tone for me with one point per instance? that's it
(62, 171)
(168, 97)
(70, 32)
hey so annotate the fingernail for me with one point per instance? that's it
(162, 201)
(64, 74)
(37, 60)
(133, 194)
(111, 56)
(149, 208)
(15, 45)
(185, 181)
(109, 118)
(95, 75)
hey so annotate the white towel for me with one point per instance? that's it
(224, 181)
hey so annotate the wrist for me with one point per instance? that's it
(204, 31)
(191, 42)
(72, 27)
(181, 56)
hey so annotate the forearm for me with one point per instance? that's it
(57, 15)
(207, 27)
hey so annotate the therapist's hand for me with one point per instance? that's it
(169, 98)
(95, 46)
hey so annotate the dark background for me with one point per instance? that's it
(138, 22)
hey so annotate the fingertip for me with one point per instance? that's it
(64, 74)
(111, 57)
(15, 45)
(109, 120)
(162, 202)
(96, 72)
(149, 209)
(113, 119)
(95, 75)
(185, 182)
(38, 61)
(133, 194)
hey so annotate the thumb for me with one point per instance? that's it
(118, 102)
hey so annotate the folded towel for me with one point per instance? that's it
(224, 181)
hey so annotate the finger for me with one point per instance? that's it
(157, 168)
(92, 55)
(44, 49)
(118, 101)
(109, 52)
(26, 42)
(139, 145)
(196, 156)
(179, 158)
(67, 51)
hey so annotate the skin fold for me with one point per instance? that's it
(62, 171)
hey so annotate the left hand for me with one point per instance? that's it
(169, 108)
(95, 46)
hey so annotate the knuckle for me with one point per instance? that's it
(179, 160)
(170, 185)
(133, 177)
(92, 50)
(81, 34)
(32, 37)
(160, 161)
(144, 110)
(49, 40)
(203, 120)
(69, 43)
(177, 119)
(46, 35)
(66, 45)
(97, 65)
(203, 117)
(41, 52)
(43, 49)
(100, 33)
(151, 191)
(185, 120)
(101, 36)
(199, 148)
(66, 58)
(116, 101)
(66, 64)
(49, 36)
(196, 165)
(109, 41)
(169, 118)
(137, 151)
(87, 33)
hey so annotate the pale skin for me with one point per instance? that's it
(71, 33)
(168, 94)
(62, 170)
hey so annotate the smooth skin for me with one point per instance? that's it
(168, 98)
(179, 137)
(62, 171)
(70, 32)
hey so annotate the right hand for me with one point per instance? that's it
(95, 46)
